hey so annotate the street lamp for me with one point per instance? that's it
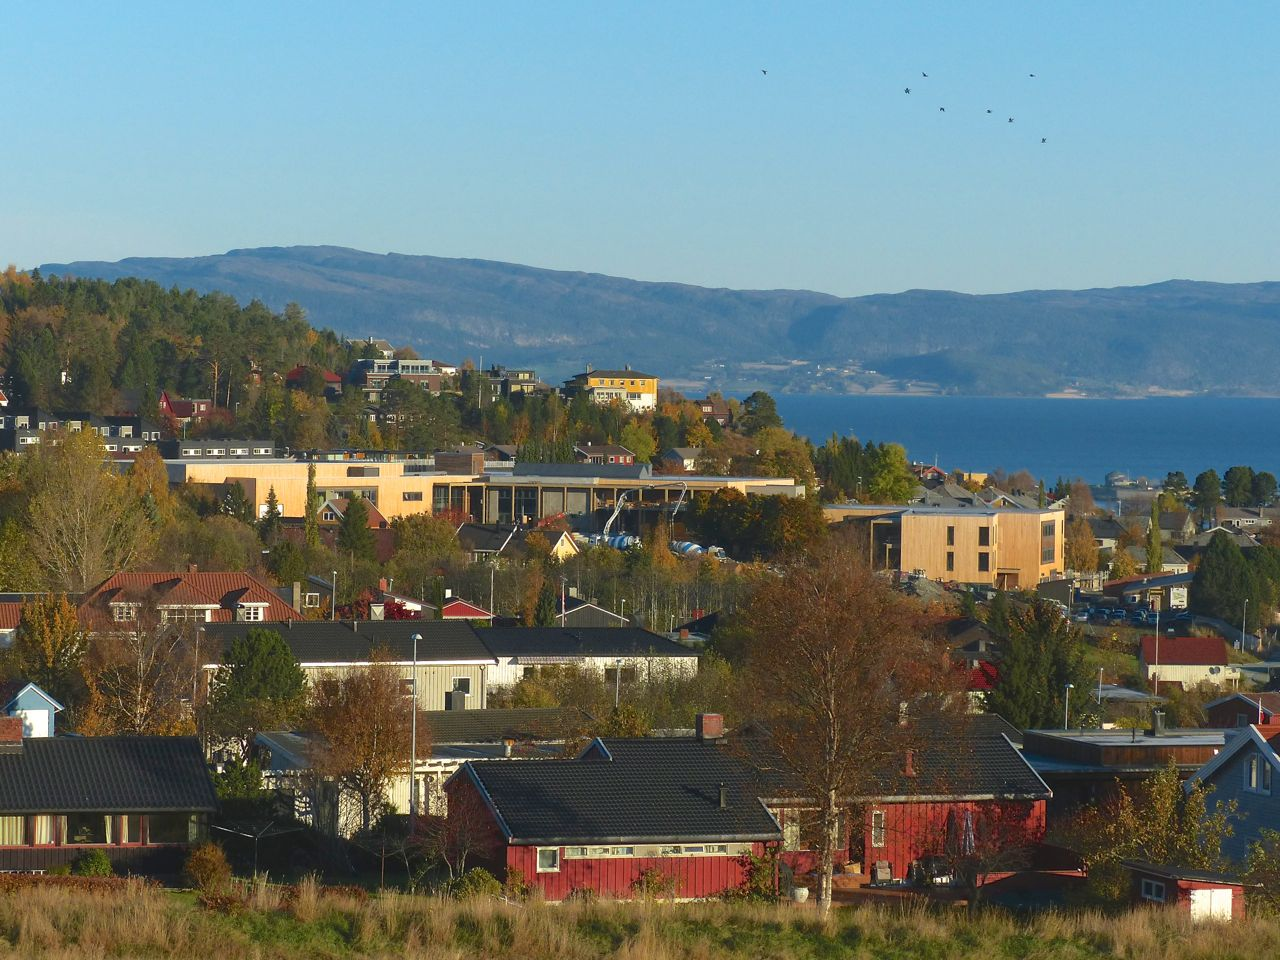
(333, 598)
(413, 738)
(617, 682)
(624, 611)
(1100, 696)
(1244, 622)
(1066, 705)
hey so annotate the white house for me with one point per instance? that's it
(638, 654)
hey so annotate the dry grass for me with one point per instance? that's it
(311, 922)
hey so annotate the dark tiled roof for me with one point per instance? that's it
(347, 641)
(579, 642)
(584, 471)
(651, 791)
(485, 537)
(110, 774)
(493, 726)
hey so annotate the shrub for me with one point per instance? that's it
(516, 886)
(653, 884)
(207, 868)
(759, 879)
(92, 863)
(476, 882)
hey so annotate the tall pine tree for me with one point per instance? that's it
(311, 534)
(1155, 544)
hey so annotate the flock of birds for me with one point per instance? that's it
(907, 90)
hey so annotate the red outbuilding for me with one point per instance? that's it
(1203, 895)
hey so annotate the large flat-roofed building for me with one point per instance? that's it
(586, 494)
(1008, 548)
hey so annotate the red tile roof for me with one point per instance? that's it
(219, 590)
(458, 609)
(297, 372)
(983, 677)
(10, 614)
(1185, 651)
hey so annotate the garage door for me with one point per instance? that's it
(1210, 904)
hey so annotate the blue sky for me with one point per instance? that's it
(642, 140)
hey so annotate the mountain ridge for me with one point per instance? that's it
(1173, 336)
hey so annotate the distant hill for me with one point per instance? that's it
(1178, 336)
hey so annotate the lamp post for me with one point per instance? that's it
(1244, 622)
(624, 611)
(617, 682)
(1066, 705)
(1100, 696)
(413, 739)
(333, 598)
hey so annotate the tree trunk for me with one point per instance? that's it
(826, 858)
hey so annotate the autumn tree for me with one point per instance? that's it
(1122, 565)
(1157, 822)
(1081, 498)
(832, 688)
(144, 671)
(259, 686)
(363, 718)
(1081, 547)
(85, 523)
(49, 648)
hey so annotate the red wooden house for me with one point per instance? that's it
(1241, 709)
(966, 792)
(621, 813)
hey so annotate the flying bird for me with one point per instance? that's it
(1011, 119)
(765, 72)
(906, 90)
(988, 111)
(1044, 139)
(924, 74)
(1031, 75)
(942, 109)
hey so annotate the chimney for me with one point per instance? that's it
(724, 797)
(448, 593)
(507, 744)
(383, 585)
(684, 633)
(909, 768)
(296, 595)
(1157, 723)
(709, 726)
(10, 734)
(193, 568)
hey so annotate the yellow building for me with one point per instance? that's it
(637, 390)
(1010, 548)
(586, 494)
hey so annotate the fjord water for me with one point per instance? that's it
(1052, 438)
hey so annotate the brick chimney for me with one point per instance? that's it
(909, 768)
(709, 726)
(193, 568)
(10, 731)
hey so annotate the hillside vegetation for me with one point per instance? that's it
(1175, 336)
(144, 921)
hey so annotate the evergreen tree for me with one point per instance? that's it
(1040, 495)
(544, 614)
(1223, 581)
(891, 478)
(1264, 488)
(1175, 482)
(312, 522)
(269, 525)
(1207, 494)
(259, 687)
(1237, 486)
(1041, 655)
(354, 536)
(1155, 544)
(998, 615)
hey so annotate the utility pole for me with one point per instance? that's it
(1066, 706)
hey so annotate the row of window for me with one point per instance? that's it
(984, 536)
(549, 857)
(984, 561)
(98, 829)
(1152, 890)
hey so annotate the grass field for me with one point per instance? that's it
(138, 921)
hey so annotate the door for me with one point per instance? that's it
(1211, 904)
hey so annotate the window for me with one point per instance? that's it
(43, 832)
(1047, 542)
(1257, 775)
(951, 536)
(131, 828)
(88, 828)
(124, 612)
(13, 831)
(877, 828)
(628, 675)
(951, 560)
(463, 684)
(1153, 890)
(253, 613)
(548, 859)
(412, 496)
(984, 536)
(182, 615)
(984, 561)
(406, 686)
(170, 828)
(310, 600)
